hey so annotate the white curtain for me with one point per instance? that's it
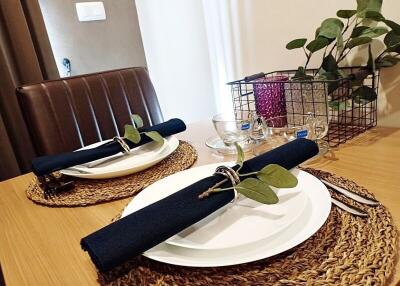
(193, 48)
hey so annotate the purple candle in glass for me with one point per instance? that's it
(269, 94)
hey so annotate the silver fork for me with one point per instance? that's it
(352, 195)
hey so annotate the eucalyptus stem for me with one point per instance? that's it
(248, 174)
(344, 31)
(326, 48)
(308, 60)
(341, 57)
(212, 189)
(305, 52)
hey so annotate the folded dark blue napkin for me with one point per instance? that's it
(145, 228)
(47, 164)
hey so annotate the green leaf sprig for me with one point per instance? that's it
(257, 188)
(133, 134)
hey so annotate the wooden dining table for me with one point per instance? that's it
(40, 245)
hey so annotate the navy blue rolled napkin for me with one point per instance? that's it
(145, 228)
(46, 164)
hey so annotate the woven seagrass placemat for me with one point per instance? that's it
(347, 250)
(89, 192)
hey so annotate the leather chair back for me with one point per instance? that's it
(69, 113)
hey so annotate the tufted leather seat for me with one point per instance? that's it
(66, 114)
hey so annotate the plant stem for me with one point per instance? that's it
(210, 190)
(305, 52)
(344, 31)
(308, 60)
(343, 56)
(248, 174)
(213, 190)
(323, 57)
(348, 39)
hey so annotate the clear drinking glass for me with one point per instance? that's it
(282, 129)
(232, 130)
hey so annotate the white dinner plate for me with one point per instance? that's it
(318, 205)
(138, 159)
(239, 223)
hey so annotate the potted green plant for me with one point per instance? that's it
(338, 36)
(342, 88)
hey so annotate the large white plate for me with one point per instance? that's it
(138, 159)
(239, 223)
(316, 212)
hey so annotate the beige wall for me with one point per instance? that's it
(268, 25)
(97, 45)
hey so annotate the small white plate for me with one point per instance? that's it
(218, 145)
(245, 221)
(316, 211)
(138, 159)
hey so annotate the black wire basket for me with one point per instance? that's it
(277, 93)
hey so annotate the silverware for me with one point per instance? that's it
(99, 162)
(350, 194)
(79, 170)
(351, 209)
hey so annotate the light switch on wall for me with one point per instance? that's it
(90, 11)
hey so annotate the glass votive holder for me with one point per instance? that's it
(269, 95)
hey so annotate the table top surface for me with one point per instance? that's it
(41, 245)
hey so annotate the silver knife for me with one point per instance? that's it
(350, 194)
(351, 209)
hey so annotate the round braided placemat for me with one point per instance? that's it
(89, 192)
(347, 250)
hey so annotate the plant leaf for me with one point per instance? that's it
(393, 25)
(132, 134)
(346, 14)
(155, 136)
(317, 44)
(364, 94)
(374, 32)
(277, 176)
(392, 41)
(329, 64)
(137, 120)
(295, 44)
(331, 28)
(301, 74)
(342, 73)
(358, 42)
(374, 15)
(368, 5)
(371, 61)
(317, 32)
(387, 61)
(257, 190)
(337, 105)
(339, 43)
(357, 31)
(240, 155)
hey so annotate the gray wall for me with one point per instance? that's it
(97, 45)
